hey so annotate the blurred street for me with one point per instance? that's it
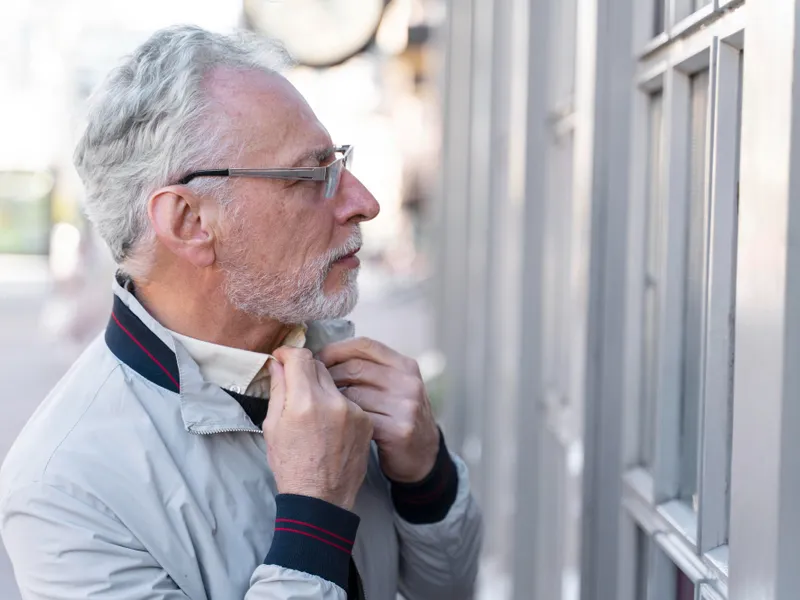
(393, 312)
(28, 366)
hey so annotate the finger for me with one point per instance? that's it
(357, 371)
(364, 348)
(324, 379)
(277, 392)
(371, 400)
(299, 369)
(382, 426)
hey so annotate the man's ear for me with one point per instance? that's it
(185, 224)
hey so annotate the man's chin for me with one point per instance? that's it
(344, 303)
(340, 281)
(340, 301)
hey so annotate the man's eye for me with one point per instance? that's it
(295, 182)
(327, 159)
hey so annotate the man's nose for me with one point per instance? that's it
(354, 202)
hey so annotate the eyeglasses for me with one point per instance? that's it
(331, 174)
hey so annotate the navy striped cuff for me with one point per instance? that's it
(429, 500)
(313, 536)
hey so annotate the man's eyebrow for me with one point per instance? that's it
(318, 154)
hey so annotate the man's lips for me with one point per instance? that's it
(350, 261)
(351, 255)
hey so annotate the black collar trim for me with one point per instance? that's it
(137, 346)
(133, 343)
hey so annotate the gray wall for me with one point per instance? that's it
(613, 264)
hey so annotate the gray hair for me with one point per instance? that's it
(149, 124)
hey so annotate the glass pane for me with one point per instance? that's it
(694, 287)
(684, 588)
(642, 563)
(652, 282)
(658, 17)
(563, 29)
(685, 8)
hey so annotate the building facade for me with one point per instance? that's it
(616, 296)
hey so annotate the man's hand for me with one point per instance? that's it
(317, 441)
(389, 388)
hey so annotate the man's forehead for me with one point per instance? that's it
(269, 115)
(230, 85)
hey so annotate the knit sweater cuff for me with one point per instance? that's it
(429, 500)
(313, 536)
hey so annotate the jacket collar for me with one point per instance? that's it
(148, 348)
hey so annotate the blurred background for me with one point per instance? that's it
(55, 273)
(371, 82)
(585, 240)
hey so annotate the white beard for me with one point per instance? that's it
(292, 298)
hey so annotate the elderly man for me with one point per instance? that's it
(227, 438)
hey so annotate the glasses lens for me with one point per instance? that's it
(348, 159)
(335, 171)
(334, 175)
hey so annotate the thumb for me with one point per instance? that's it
(277, 391)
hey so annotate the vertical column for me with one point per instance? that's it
(477, 446)
(496, 399)
(765, 520)
(504, 309)
(456, 218)
(525, 573)
(605, 366)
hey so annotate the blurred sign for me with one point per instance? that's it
(25, 215)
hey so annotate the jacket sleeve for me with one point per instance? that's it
(440, 529)
(64, 548)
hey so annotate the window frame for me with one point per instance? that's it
(694, 25)
(691, 18)
(695, 542)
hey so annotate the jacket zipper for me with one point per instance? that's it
(225, 430)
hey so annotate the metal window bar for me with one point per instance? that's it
(716, 415)
(694, 286)
(653, 278)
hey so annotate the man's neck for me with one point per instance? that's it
(207, 315)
